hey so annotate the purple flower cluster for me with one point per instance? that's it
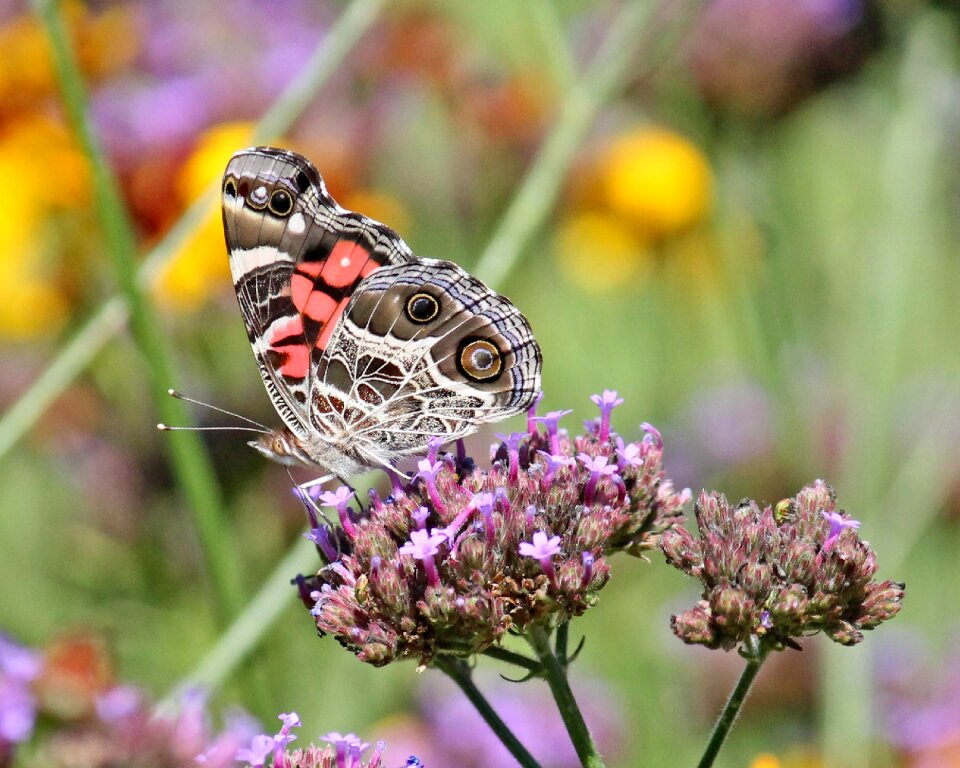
(460, 556)
(778, 573)
(345, 751)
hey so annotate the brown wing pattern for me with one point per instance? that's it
(296, 258)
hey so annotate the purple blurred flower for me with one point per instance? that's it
(19, 667)
(762, 58)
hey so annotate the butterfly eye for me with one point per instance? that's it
(480, 360)
(230, 187)
(280, 202)
(422, 308)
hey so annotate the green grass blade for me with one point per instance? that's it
(585, 97)
(190, 463)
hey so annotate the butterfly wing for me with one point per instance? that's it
(296, 258)
(424, 349)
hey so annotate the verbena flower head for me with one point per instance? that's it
(778, 573)
(522, 543)
(344, 751)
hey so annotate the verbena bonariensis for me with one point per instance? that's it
(776, 573)
(459, 556)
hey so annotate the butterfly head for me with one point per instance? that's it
(282, 446)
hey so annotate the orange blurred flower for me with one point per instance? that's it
(105, 43)
(640, 194)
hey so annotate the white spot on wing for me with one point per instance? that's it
(345, 262)
(243, 261)
(297, 224)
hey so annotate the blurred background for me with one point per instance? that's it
(740, 214)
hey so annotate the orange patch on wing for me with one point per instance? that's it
(310, 268)
(295, 357)
(296, 361)
(331, 325)
(301, 287)
(346, 263)
(319, 306)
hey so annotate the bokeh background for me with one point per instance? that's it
(740, 214)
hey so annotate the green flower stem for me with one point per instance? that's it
(556, 678)
(733, 706)
(457, 670)
(77, 354)
(561, 642)
(190, 463)
(511, 657)
(243, 636)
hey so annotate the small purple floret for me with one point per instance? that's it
(321, 537)
(598, 466)
(587, 559)
(606, 402)
(532, 414)
(543, 549)
(427, 471)
(552, 421)
(838, 523)
(423, 545)
(340, 499)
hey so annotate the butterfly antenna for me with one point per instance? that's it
(257, 426)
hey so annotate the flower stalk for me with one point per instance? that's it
(738, 696)
(457, 670)
(556, 677)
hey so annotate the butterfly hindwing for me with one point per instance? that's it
(426, 349)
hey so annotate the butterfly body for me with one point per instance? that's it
(367, 351)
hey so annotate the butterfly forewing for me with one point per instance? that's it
(296, 258)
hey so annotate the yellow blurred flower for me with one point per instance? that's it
(380, 206)
(598, 252)
(657, 180)
(51, 176)
(200, 267)
(795, 757)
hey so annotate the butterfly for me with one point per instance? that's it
(367, 351)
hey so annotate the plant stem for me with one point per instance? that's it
(511, 657)
(189, 460)
(732, 708)
(243, 636)
(556, 678)
(561, 643)
(456, 669)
